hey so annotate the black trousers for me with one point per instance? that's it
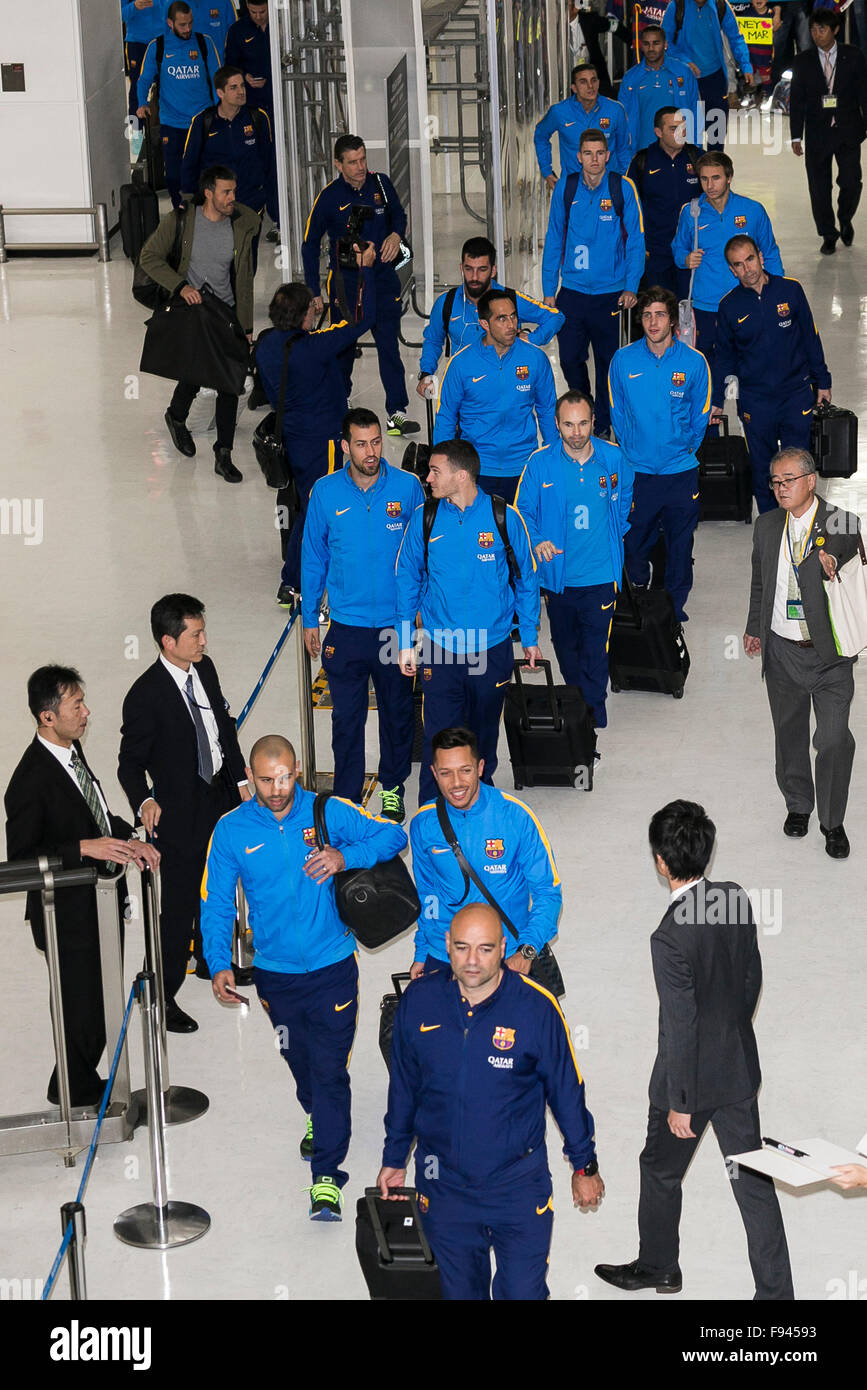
(83, 1016)
(226, 411)
(181, 871)
(664, 1162)
(819, 153)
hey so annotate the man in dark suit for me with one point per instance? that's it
(795, 548)
(707, 1066)
(829, 100)
(177, 732)
(55, 806)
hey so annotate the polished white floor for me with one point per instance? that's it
(126, 519)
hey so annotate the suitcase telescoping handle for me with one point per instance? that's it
(429, 411)
(371, 1194)
(527, 720)
(400, 981)
(629, 593)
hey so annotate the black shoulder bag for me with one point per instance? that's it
(145, 290)
(544, 968)
(268, 443)
(378, 903)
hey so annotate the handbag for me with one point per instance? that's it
(404, 256)
(544, 968)
(145, 289)
(387, 1011)
(846, 594)
(268, 443)
(378, 903)
(201, 344)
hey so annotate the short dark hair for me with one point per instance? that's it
(478, 246)
(663, 111)
(488, 298)
(716, 158)
(456, 737)
(344, 143)
(209, 178)
(169, 615)
(289, 305)
(573, 398)
(652, 29)
(222, 75)
(829, 18)
(742, 239)
(361, 418)
(458, 453)
(592, 136)
(683, 834)
(47, 687)
(583, 67)
(178, 7)
(655, 294)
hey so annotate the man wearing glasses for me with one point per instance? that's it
(795, 547)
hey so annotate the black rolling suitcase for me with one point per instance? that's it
(395, 1258)
(139, 216)
(725, 478)
(647, 650)
(834, 441)
(551, 736)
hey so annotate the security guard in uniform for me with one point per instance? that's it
(384, 226)
(478, 1052)
(766, 338)
(353, 530)
(664, 174)
(184, 70)
(237, 135)
(584, 110)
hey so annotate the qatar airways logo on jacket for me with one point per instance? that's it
(183, 71)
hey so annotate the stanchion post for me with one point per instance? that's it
(305, 707)
(101, 220)
(52, 952)
(4, 254)
(74, 1212)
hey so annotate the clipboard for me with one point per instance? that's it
(820, 1158)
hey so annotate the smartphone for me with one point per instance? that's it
(233, 994)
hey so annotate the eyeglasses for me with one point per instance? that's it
(777, 483)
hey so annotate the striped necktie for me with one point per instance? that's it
(88, 791)
(206, 762)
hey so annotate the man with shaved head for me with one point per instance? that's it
(478, 1052)
(304, 969)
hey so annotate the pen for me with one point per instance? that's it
(784, 1148)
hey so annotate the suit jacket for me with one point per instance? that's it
(809, 86)
(46, 814)
(833, 530)
(708, 975)
(158, 741)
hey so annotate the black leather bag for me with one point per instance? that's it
(202, 344)
(268, 443)
(377, 904)
(544, 968)
(387, 1010)
(145, 290)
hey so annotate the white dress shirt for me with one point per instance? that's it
(684, 888)
(64, 757)
(798, 528)
(179, 676)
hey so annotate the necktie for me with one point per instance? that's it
(88, 791)
(206, 762)
(794, 592)
(829, 79)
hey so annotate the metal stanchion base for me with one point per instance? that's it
(182, 1222)
(180, 1104)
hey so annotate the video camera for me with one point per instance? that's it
(346, 257)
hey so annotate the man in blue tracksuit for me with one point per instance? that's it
(248, 47)
(183, 63)
(576, 500)
(235, 134)
(665, 176)
(214, 18)
(143, 20)
(503, 842)
(584, 110)
(477, 1053)
(720, 214)
(694, 29)
(354, 526)
(499, 394)
(454, 569)
(357, 188)
(595, 249)
(454, 318)
(315, 399)
(658, 80)
(305, 969)
(766, 338)
(660, 404)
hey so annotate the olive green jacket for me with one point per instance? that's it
(154, 257)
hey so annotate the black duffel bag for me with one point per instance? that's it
(202, 344)
(387, 1010)
(377, 904)
(145, 290)
(268, 443)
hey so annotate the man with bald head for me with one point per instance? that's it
(305, 970)
(478, 1052)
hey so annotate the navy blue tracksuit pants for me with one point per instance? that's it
(705, 332)
(580, 621)
(464, 1224)
(456, 692)
(135, 53)
(713, 91)
(499, 487)
(174, 138)
(592, 320)
(672, 500)
(351, 656)
(384, 332)
(660, 269)
(310, 458)
(770, 425)
(317, 1012)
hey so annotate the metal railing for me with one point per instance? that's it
(98, 212)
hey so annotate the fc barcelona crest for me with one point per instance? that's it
(680, 82)
(604, 122)
(309, 833)
(427, 673)
(504, 1038)
(603, 481)
(613, 479)
(495, 849)
(248, 130)
(782, 309)
(740, 221)
(606, 204)
(678, 378)
(377, 197)
(329, 651)
(522, 373)
(194, 53)
(486, 540)
(393, 509)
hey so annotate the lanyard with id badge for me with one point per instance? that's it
(795, 606)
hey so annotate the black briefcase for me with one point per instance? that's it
(395, 1257)
(647, 650)
(378, 903)
(725, 477)
(387, 1010)
(550, 732)
(834, 441)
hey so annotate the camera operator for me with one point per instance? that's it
(359, 207)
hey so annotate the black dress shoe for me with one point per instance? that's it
(847, 234)
(179, 1022)
(87, 1101)
(836, 842)
(225, 467)
(634, 1276)
(181, 437)
(796, 824)
(829, 245)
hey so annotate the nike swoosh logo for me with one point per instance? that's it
(505, 682)
(454, 318)
(547, 484)
(540, 1211)
(652, 171)
(338, 1008)
(434, 849)
(436, 538)
(428, 1027)
(342, 512)
(633, 375)
(695, 497)
(247, 850)
(567, 124)
(606, 606)
(479, 378)
(703, 226)
(807, 412)
(744, 319)
(344, 206)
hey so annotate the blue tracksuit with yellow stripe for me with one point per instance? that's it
(569, 119)
(509, 850)
(305, 968)
(471, 1082)
(186, 86)
(249, 48)
(245, 145)
(464, 327)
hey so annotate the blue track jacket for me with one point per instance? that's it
(769, 342)
(644, 90)
(330, 214)
(245, 145)
(465, 329)
(473, 1087)
(143, 25)
(350, 545)
(509, 851)
(570, 120)
(665, 186)
(659, 406)
(294, 920)
(500, 404)
(214, 17)
(603, 254)
(467, 582)
(185, 88)
(681, 47)
(249, 48)
(740, 216)
(542, 493)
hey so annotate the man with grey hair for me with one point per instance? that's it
(795, 548)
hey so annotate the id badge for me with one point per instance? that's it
(829, 103)
(794, 610)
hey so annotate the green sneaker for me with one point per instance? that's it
(392, 806)
(398, 424)
(305, 1148)
(324, 1200)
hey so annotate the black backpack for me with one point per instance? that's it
(254, 112)
(498, 506)
(160, 52)
(615, 188)
(640, 161)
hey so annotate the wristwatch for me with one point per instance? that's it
(528, 952)
(589, 1170)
